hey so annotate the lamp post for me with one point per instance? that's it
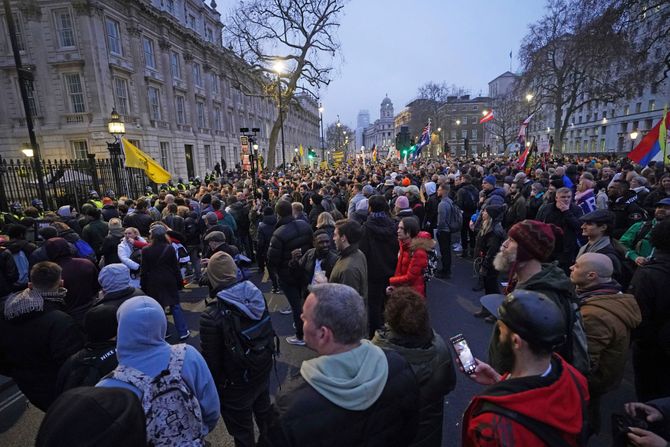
(633, 137)
(116, 128)
(458, 137)
(279, 69)
(323, 146)
(529, 98)
(337, 132)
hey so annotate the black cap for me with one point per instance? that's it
(599, 217)
(532, 315)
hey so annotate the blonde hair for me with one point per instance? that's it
(324, 219)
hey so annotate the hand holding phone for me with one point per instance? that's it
(464, 354)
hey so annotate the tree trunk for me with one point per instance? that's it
(558, 131)
(272, 144)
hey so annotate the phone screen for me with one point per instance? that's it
(464, 354)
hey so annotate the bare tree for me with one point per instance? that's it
(507, 114)
(302, 34)
(337, 135)
(572, 60)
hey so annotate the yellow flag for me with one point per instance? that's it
(301, 151)
(135, 158)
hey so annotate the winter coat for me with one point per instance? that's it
(314, 213)
(565, 250)
(534, 204)
(265, 229)
(516, 211)
(300, 415)
(160, 277)
(552, 282)
(555, 400)
(240, 212)
(609, 316)
(9, 274)
(109, 212)
(305, 266)
(94, 234)
(80, 277)
(380, 246)
(431, 212)
(431, 362)
(412, 261)
(175, 222)
(87, 366)
(627, 211)
(288, 235)
(488, 245)
(110, 249)
(141, 221)
(34, 344)
(124, 250)
(118, 297)
(650, 286)
(351, 269)
(467, 189)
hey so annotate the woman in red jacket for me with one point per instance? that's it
(413, 256)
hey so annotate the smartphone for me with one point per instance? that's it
(464, 354)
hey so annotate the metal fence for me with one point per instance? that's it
(68, 182)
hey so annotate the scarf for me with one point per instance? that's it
(31, 300)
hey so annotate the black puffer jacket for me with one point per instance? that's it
(303, 417)
(380, 246)
(289, 234)
(433, 366)
(9, 274)
(265, 229)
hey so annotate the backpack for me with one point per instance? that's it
(252, 345)
(83, 249)
(22, 265)
(173, 414)
(88, 370)
(470, 199)
(455, 218)
(576, 343)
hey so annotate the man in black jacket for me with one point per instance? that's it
(316, 261)
(289, 235)
(140, 219)
(380, 246)
(380, 408)
(564, 214)
(467, 197)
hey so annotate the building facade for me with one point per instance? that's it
(160, 63)
(381, 133)
(362, 122)
(460, 117)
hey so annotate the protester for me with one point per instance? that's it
(565, 215)
(412, 258)
(263, 236)
(489, 239)
(445, 209)
(109, 253)
(351, 267)
(116, 286)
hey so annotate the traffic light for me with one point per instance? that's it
(311, 154)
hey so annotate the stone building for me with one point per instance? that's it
(382, 132)
(459, 118)
(162, 65)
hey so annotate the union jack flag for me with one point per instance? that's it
(424, 140)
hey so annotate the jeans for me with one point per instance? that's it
(179, 319)
(240, 405)
(294, 297)
(444, 239)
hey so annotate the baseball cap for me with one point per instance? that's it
(663, 202)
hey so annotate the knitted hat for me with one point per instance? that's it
(221, 270)
(114, 277)
(494, 211)
(107, 201)
(406, 182)
(402, 203)
(490, 179)
(100, 323)
(535, 239)
(115, 225)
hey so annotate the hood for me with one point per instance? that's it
(246, 297)
(352, 380)
(422, 240)
(16, 245)
(551, 277)
(142, 326)
(557, 403)
(64, 211)
(497, 192)
(416, 356)
(430, 188)
(69, 235)
(380, 227)
(57, 248)
(621, 305)
(114, 277)
(270, 220)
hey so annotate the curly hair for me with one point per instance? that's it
(406, 313)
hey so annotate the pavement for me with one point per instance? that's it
(451, 305)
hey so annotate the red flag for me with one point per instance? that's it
(486, 118)
(521, 162)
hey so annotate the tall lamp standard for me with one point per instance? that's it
(633, 137)
(529, 98)
(338, 132)
(323, 147)
(117, 128)
(279, 69)
(458, 136)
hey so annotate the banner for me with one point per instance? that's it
(135, 158)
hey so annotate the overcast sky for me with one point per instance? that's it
(393, 47)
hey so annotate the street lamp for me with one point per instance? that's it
(323, 146)
(279, 69)
(27, 150)
(633, 137)
(458, 137)
(117, 128)
(529, 97)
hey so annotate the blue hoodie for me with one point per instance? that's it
(141, 344)
(246, 297)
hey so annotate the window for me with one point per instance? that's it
(165, 154)
(64, 29)
(208, 156)
(149, 57)
(181, 112)
(76, 92)
(79, 149)
(18, 25)
(191, 21)
(114, 37)
(626, 110)
(121, 95)
(169, 7)
(175, 65)
(464, 133)
(474, 134)
(654, 88)
(215, 83)
(201, 114)
(32, 100)
(154, 103)
(217, 118)
(638, 107)
(209, 34)
(197, 74)
(652, 105)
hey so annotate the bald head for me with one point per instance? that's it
(590, 269)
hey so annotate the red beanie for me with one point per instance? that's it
(535, 239)
(406, 182)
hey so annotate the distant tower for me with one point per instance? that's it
(363, 120)
(386, 109)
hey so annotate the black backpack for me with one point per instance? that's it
(470, 199)
(251, 344)
(90, 368)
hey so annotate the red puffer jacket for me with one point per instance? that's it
(412, 260)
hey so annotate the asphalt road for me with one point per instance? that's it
(451, 305)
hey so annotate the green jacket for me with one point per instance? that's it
(642, 248)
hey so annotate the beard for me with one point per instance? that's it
(503, 262)
(506, 354)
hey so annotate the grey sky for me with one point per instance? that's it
(395, 46)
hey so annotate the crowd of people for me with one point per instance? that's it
(572, 257)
